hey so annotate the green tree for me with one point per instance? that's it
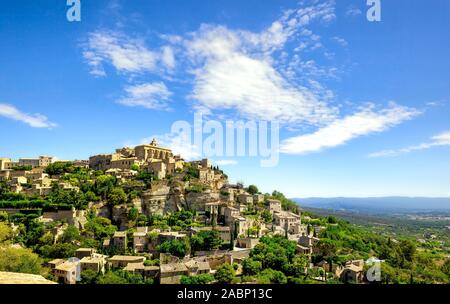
(445, 268)
(116, 196)
(206, 240)
(327, 247)
(46, 239)
(90, 196)
(6, 233)
(21, 260)
(274, 252)
(133, 214)
(111, 278)
(179, 248)
(57, 251)
(103, 185)
(270, 276)
(99, 228)
(89, 277)
(58, 168)
(3, 216)
(70, 235)
(331, 220)
(225, 274)
(267, 216)
(408, 249)
(252, 189)
(252, 267)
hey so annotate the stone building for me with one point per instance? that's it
(172, 273)
(66, 272)
(274, 205)
(152, 151)
(140, 239)
(5, 163)
(286, 219)
(41, 161)
(103, 161)
(119, 240)
(121, 261)
(96, 263)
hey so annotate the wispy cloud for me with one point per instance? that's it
(148, 95)
(226, 162)
(125, 54)
(235, 70)
(265, 75)
(439, 140)
(340, 40)
(353, 11)
(33, 120)
(343, 130)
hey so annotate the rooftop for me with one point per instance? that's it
(173, 267)
(127, 258)
(66, 266)
(84, 249)
(120, 234)
(22, 278)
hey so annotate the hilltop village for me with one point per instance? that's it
(145, 215)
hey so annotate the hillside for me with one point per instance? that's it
(378, 205)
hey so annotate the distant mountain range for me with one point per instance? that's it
(378, 205)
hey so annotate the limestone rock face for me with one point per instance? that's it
(101, 209)
(137, 203)
(197, 201)
(155, 201)
(120, 216)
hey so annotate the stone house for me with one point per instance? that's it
(41, 161)
(274, 205)
(96, 263)
(121, 261)
(84, 252)
(247, 242)
(66, 272)
(172, 273)
(140, 239)
(286, 219)
(206, 175)
(258, 198)
(245, 199)
(353, 272)
(5, 163)
(224, 231)
(157, 167)
(230, 215)
(145, 271)
(119, 240)
(307, 244)
(197, 267)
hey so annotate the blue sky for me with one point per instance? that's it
(363, 106)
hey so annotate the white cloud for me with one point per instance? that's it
(33, 120)
(353, 11)
(340, 40)
(226, 162)
(126, 54)
(234, 70)
(168, 57)
(252, 74)
(178, 143)
(148, 95)
(442, 139)
(342, 130)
